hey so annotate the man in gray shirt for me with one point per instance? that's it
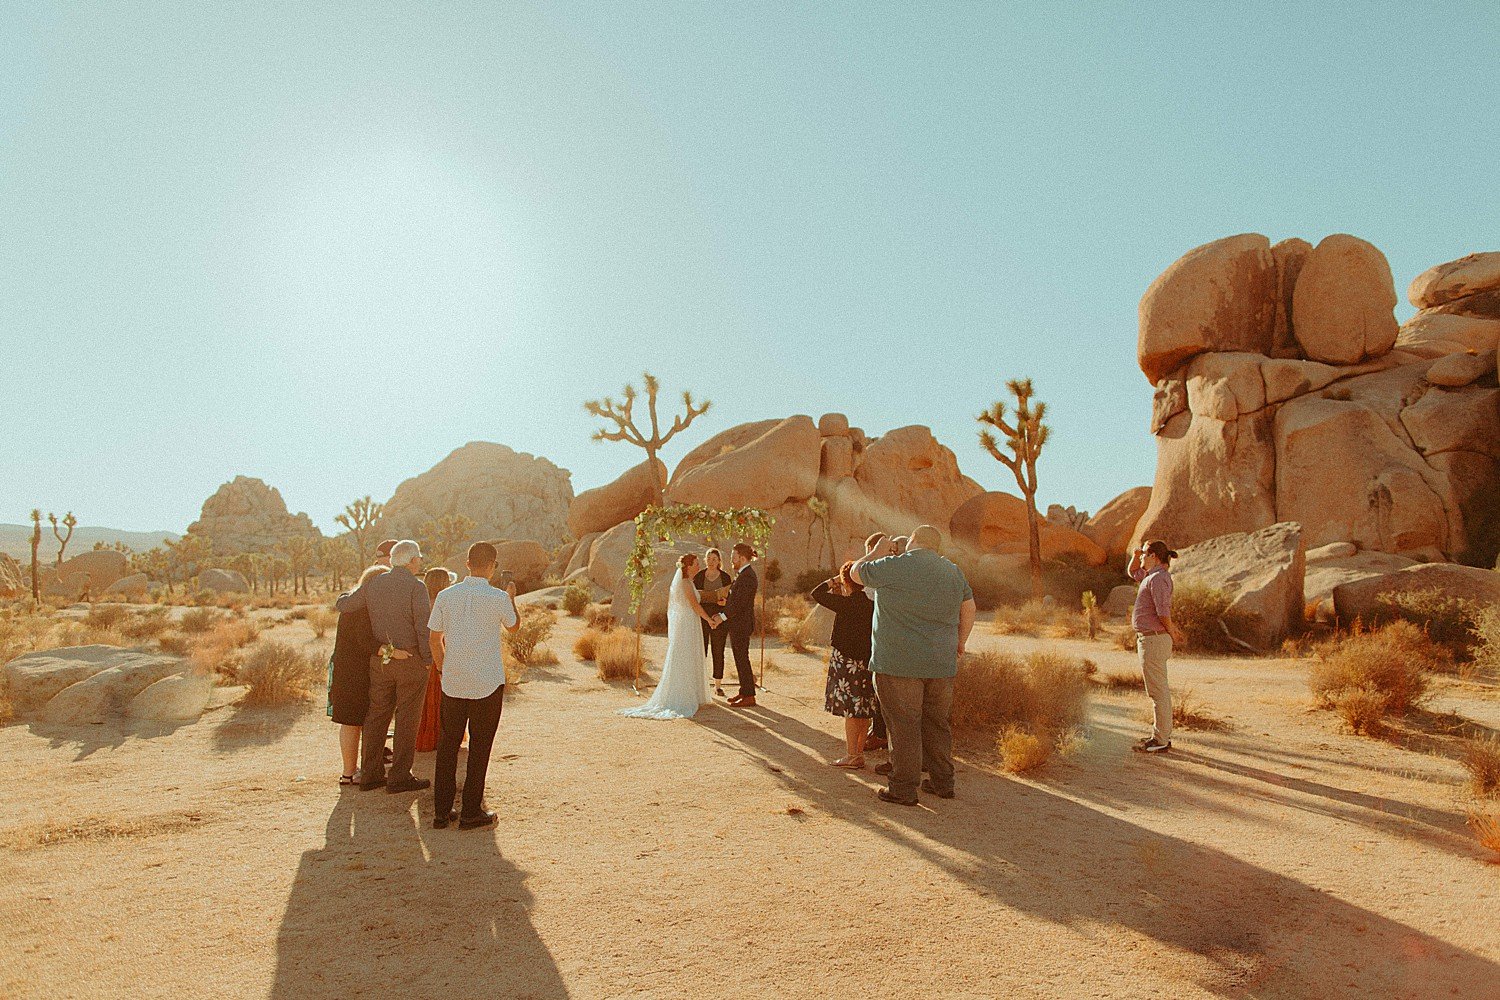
(398, 606)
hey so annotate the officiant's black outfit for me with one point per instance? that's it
(713, 638)
(740, 609)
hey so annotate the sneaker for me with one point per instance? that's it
(1153, 745)
(884, 795)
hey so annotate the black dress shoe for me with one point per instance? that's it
(441, 822)
(370, 786)
(483, 819)
(930, 788)
(884, 795)
(414, 785)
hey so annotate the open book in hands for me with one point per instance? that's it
(707, 597)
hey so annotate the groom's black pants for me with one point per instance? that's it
(739, 644)
(482, 716)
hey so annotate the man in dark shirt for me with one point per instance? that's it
(739, 609)
(398, 606)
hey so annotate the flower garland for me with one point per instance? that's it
(663, 524)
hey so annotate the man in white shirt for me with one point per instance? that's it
(465, 629)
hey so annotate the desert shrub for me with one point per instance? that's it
(7, 706)
(1069, 575)
(1362, 708)
(173, 644)
(147, 624)
(322, 620)
(808, 579)
(598, 617)
(1486, 827)
(536, 628)
(779, 607)
(107, 616)
(1392, 662)
(1022, 751)
(616, 657)
(1092, 614)
(277, 673)
(1041, 693)
(218, 652)
(1188, 713)
(1036, 618)
(586, 646)
(297, 614)
(795, 632)
(1203, 614)
(1487, 637)
(576, 598)
(1481, 758)
(198, 620)
(1125, 639)
(655, 623)
(1452, 622)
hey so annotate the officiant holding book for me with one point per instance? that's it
(712, 584)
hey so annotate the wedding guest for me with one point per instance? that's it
(437, 580)
(349, 679)
(924, 612)
(876, 739)
(1155, 633)
(850, 692)
(383, 552)
(466, 623)
(397, 602)
(712, 578)
(739, 609)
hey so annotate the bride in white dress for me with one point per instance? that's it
(684, 674)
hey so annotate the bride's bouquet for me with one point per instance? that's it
(387, 653)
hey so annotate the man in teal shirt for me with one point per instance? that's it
(924, 612)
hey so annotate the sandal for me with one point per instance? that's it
(346, 779)
(852, 763)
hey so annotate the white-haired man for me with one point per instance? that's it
(398, 606)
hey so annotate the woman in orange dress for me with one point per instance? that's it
(437, 579)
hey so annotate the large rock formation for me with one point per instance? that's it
(246, 515)
(508, 494)
(525, 560)
(97, 570)
(1114, 525)
(14, 581)
(1331, 566)
(1362, 598)
(1261, 571)
(223, 581)
(88, 685)
(774, 468)
(1396, 451)
(603, 507)
(995, 524)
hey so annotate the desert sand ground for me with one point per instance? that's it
(723, 857)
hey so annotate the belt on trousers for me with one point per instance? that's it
(1147, 635)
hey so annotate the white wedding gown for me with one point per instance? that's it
(684, 674)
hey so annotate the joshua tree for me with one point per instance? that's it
(1025, 439)
(36, 540)
(152, 562)
(300, 551)
(359, 517)
(626, 430)
(440, 537)
(335, 554)
(69, 522)
(186, 557)
(819, 509)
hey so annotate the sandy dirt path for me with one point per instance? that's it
(723, 857)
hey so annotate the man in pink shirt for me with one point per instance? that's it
(1151, 617)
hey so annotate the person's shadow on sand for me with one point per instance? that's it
(1255, 932)
(390, 907)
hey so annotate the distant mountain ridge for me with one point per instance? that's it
(15, 540)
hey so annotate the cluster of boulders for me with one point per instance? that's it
(90, 685)
(1291, 411)
(94, 573)
(246, 515)
(508, 494)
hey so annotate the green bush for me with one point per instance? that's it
(1203, 613)
(1453, 622)
(576, 598)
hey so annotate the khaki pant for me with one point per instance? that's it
(918, 719)
(1154, 652)
(397, 688)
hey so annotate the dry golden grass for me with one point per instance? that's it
(107, 617)
(278, 673)
(1361, 708)
(598, 616)
(1486, 826)
(198, 620)
(1035, 618)
(1124, 639)
(95, 828)
(616, 655)
(218, 651)
(1119, 681)
(1391, 662)
(322, 620)
(779, 607)
(1203, 614)
(7, 706)
(147, 624)
(1481, 758)
(173, 644)
(587, 644)
(1188, 713)
(1021, 751)
(536, 628)
(796, 633)
(1043, 692)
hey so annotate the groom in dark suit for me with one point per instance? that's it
(739, 611)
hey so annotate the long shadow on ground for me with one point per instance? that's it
(389, 907)
(1046, 855)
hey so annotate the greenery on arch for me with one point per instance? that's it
(664, 524)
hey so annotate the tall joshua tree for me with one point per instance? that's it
(441, 536)
(69, 522)
(359, 517)
(36, 541)
(1024, 438)
(622, 416)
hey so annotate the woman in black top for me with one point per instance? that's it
(851, 687)
(712, 577)
(349, 679)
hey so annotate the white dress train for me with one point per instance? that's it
(684, 673)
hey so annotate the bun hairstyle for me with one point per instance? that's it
(1158, 548)
(686, 560)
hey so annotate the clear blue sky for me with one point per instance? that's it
(326, 244)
